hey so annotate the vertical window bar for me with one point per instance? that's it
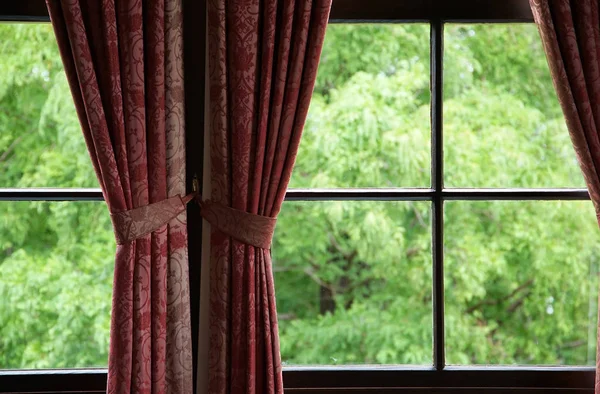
(194, 52)
(436, 51)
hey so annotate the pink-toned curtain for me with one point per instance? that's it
(570, 31)
(123, 60)
(263, 58)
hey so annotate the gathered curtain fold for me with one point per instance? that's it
(123, 61)
(262, 66)
(570, 32)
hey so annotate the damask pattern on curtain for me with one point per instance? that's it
(263, 58)
(570, 31)
(123, 60)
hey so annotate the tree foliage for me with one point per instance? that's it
(56, 259)
(353, 279)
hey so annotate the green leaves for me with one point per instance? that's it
(521, 277)
(55, 291)
(353, 279)
(56, 259)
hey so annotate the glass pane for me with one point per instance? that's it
(353, 282)
(368, 123)
(41, 144)
(521, 282)
(503, 125)
(56, 273)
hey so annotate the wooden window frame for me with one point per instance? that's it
(438, 378)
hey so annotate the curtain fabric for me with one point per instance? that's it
(570, 31)
(263, 58)
(123, 60)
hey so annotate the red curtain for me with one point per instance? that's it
(263, 58)
(570, 31)
(123, 61)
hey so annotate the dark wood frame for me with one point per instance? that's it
(356, 10)
(356, 379)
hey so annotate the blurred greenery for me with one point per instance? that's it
(353, 279)
(56, 259)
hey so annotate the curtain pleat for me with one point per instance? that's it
(263, 58)
(124, 65)
(570, 32)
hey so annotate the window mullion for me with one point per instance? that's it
(436, 51)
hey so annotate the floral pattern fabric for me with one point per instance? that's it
(123, 60)
(263, 58)
(135, 223)
(251, 229)
(570, 31)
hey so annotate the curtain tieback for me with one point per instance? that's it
(249, 228)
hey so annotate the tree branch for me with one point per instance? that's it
(419, 217)
(309, 272)
(505, 298)
(12, 146)
(348, 256)
(573, 344)
(287, 316)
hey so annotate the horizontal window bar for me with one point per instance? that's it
(515, 194)
(54, 380)
(359, 194)
(47, 194)
(434, 390)
(24, 11)
(356, 11)
(429, 194)
(468, 377)
(426, 10)
(298, 378)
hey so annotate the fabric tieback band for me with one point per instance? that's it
(251, 229)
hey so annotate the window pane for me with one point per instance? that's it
(521, 282)
(353, 282)
(368, 123)
(503, 125)
(41, 144)
(56, 268)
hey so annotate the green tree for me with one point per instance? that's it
(56, 259)
(353, 279)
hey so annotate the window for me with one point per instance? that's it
(56, 267)
(354, 278)
(51, 185)
(341, 266)
(486, 234)
(429, 245)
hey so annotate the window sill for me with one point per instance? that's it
(90, 380)
(354, 379)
